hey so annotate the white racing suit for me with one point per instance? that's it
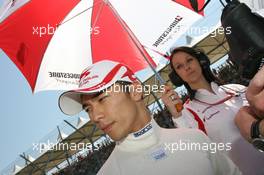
(155, 151)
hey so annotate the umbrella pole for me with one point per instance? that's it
(140, 48)
(138, 45)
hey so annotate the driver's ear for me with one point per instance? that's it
(136, 91)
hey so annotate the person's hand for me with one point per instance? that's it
(172, 101)
(255, 93)
(244, 119)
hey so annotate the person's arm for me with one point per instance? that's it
(255, 93)
(244, 119)
(181, 121)
(179, 116)
(171, 99)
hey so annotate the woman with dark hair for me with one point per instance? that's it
(211, 107)
(203, 62)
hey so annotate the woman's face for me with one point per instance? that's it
(187, 67)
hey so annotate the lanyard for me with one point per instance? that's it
(230, 95)
(218, 102)
(209, 105)
(199, 120)
(202, 121)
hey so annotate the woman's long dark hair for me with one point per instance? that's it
(204, 63)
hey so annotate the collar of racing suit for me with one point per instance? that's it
(209, 97)
(142, 139)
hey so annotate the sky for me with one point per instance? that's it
(25, 118)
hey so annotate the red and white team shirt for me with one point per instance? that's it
(214, 114)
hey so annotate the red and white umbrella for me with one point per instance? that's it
(52, 41)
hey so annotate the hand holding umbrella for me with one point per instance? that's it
(172, 101)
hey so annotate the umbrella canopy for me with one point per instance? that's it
(51, 42)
